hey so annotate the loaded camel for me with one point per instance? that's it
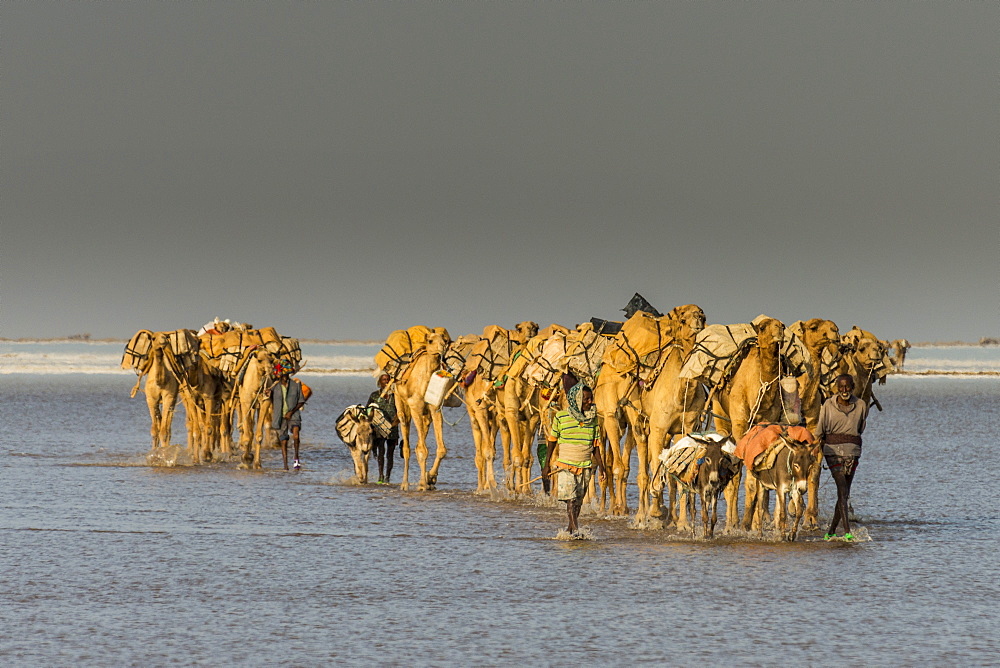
(525, 405)
(752, 395)
(672, 406)
(162, 389)
(410, 388)
(623, 400)
(252, 392)
(484, 366)
(821, 340)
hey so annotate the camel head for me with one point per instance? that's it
(770, 333)
(159, 341)
(818, 334)
(438, 341)
(526, 330)
(690, 315)
(869, 352)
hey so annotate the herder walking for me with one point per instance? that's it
(574, 451)
(841, 422)
(287, 398)
(385, 448)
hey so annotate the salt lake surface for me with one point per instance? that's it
(109, 561)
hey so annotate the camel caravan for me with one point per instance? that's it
(222, 374)
(705, 408)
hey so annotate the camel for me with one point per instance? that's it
(410, 388)
(673, 406)
(620, 402)
(524, 406)
(252, 393)
(162, 389)
(484, 365)
(202, 390)
(752, 395)
(821, 340)
(898, 355)
(865, 359)
(485, 419)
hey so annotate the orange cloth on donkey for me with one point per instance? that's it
(762, 436)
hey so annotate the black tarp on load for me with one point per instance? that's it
(612, 327)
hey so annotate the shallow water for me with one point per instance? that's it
(107, 560)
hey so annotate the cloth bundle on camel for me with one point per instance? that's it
(584, 352)
(399, 348)
(719, 349)
(640, 343)
(492, 352)
(137, 350)
(227, 349)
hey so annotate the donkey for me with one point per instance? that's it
(787, 476)
(355, 429)
(715, 472)
(713, 469)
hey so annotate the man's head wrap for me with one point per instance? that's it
(573, 398)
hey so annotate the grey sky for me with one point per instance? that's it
(340, 170)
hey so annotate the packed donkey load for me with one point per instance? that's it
(704, 409)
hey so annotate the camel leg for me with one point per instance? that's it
(643, 512)
(441, 451)
(752, 516)
(654, 443)
(506, 445)
(167, 420)
(512, 455)
(478, 442)
(490, 454)
(750, 501)
(684, 507)
(422, 424)
(731, 493)
(246, 435)
(527, 455)
(404, 449)
(155, 418)
(191, 422)
(620, 447)
(260, 430)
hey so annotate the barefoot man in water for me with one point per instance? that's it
(573, 452)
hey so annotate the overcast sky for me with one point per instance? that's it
(340, 170)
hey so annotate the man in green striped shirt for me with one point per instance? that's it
(574, 449)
